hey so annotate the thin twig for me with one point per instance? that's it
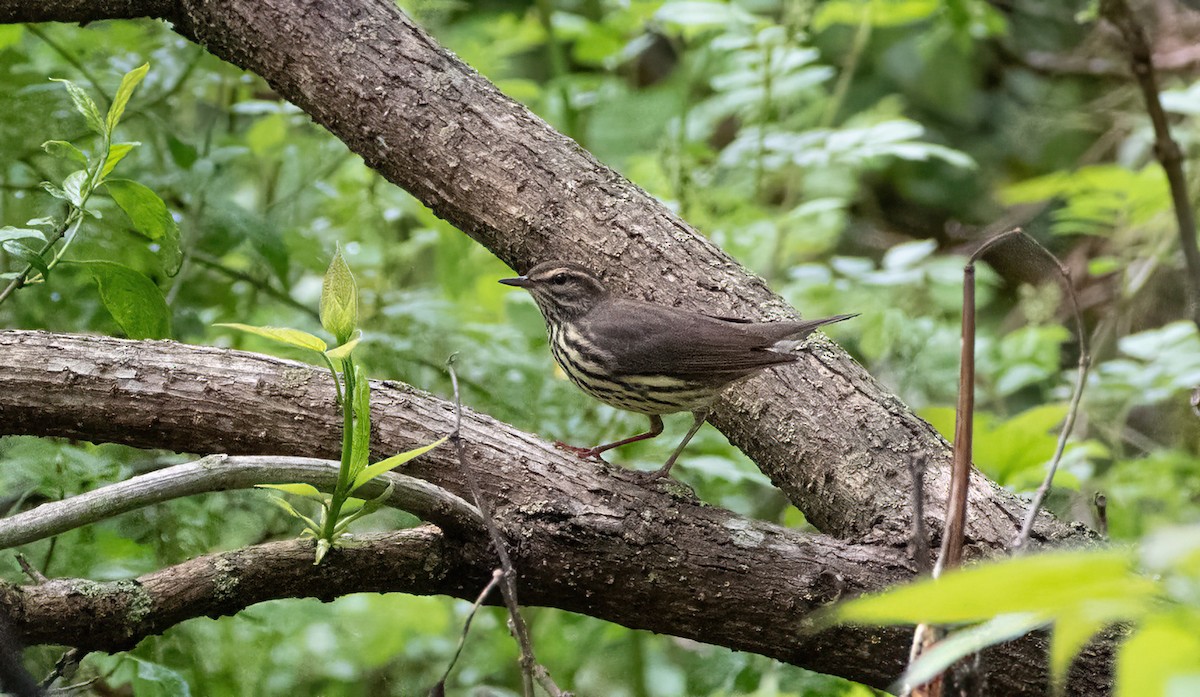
(1084, 364)
(964, 414)
(222, 473)
(497, 575)
(65, 667)
(530, 668)
(31, 571)
(265, 286)
(924, 635)
(1141, 62)
(920, 533)
(69, 58)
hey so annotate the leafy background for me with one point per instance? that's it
(847, 151)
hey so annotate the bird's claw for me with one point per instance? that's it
(583, 453)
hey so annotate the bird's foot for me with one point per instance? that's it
(583, 453)
(643, 477)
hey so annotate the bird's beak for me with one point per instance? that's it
(519, 281)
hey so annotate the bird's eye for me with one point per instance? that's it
(559, 279)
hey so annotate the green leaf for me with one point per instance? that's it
(361, 438)
(309, 523)
(960, 644)
(75, 185)
(132, 299)
(291, 337)
(343, 351)
(116, 153)
(339, 300)
(124, 92)
(145, 209)
(393, 462)
(156, 680)
(84, 105)
(1044, 583)
(1162, 648)
(363, 508)
(27, 255)
(20, 233)
(308, 491)
(64, 150)
(1071, 632)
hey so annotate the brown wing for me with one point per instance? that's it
(644, 339)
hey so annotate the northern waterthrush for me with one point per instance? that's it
(647, 358)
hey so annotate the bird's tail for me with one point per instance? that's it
(805, 327)
(787, 336)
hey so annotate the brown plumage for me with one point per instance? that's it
(647, 358)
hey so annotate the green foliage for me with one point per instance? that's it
(1074, 593)
(339, 315)
(134, 301)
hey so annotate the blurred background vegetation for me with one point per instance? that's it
(848, 151)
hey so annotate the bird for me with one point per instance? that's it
(649, 358)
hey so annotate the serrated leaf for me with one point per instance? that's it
(308, 491)
(144, 208)
(84, 105)
(28, 256)
(20, 233)
(393, 462)
(124, 92)
(343, 351)
(64, 150)
(284, 335)
(339, 299)
(116, 153)
(74, 187)
(134, 301)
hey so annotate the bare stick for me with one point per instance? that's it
(222, 473)
(1081, 373)
(1165, 148)
(951, 552)
(31, 571)
(497, 575)
(964, 414)
(508, 588)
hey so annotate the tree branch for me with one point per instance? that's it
(223, 473)
(1165, 148)
(586, 538)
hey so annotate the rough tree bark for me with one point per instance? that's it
(835, 442)
(585, 536)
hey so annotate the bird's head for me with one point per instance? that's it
(563, 290)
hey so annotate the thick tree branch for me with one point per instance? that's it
(584, 536)
(832, 439)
